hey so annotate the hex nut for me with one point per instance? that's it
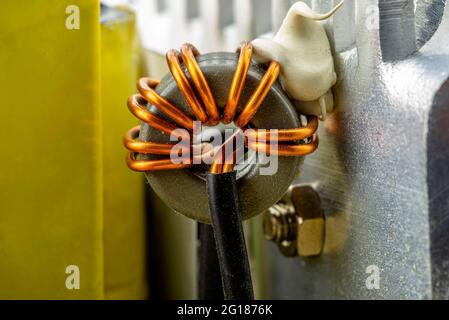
(297, 223)
(311, 221)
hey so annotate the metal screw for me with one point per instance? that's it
(296, 223)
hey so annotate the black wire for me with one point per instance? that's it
(229, 238)
(209, 278)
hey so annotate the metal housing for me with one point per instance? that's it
(382, 169)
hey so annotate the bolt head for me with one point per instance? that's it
(310, 232)
(310, 238)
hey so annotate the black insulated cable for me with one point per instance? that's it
(209, 278)
(229, 238)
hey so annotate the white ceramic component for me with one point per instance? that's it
(302, 48)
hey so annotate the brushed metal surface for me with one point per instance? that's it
(382, 168)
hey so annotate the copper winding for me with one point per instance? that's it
(238, 82)
(205, 109)
(285, 149)
(225, 162)
(152, 165)
(137, 105)
(145, 87)
(132, 144)
(286, 134)
(216, 167)
(259, 95)
(189, 53)
(184, 85)
(228, 164)
(224, 166)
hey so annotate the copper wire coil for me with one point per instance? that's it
(146, 86)
(225, 162)
(256, 139)
(152, 165)
(285, 149)
(229, 164)
(132, 143)
(238, 82)
(223, 166)
(134, 146)
(137, 105)
(184, 85)
(285, 134)
(188, 53)
(216, 167)
(259, 95)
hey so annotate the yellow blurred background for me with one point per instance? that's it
(66, 195)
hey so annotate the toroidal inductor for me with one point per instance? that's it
(219, 90)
